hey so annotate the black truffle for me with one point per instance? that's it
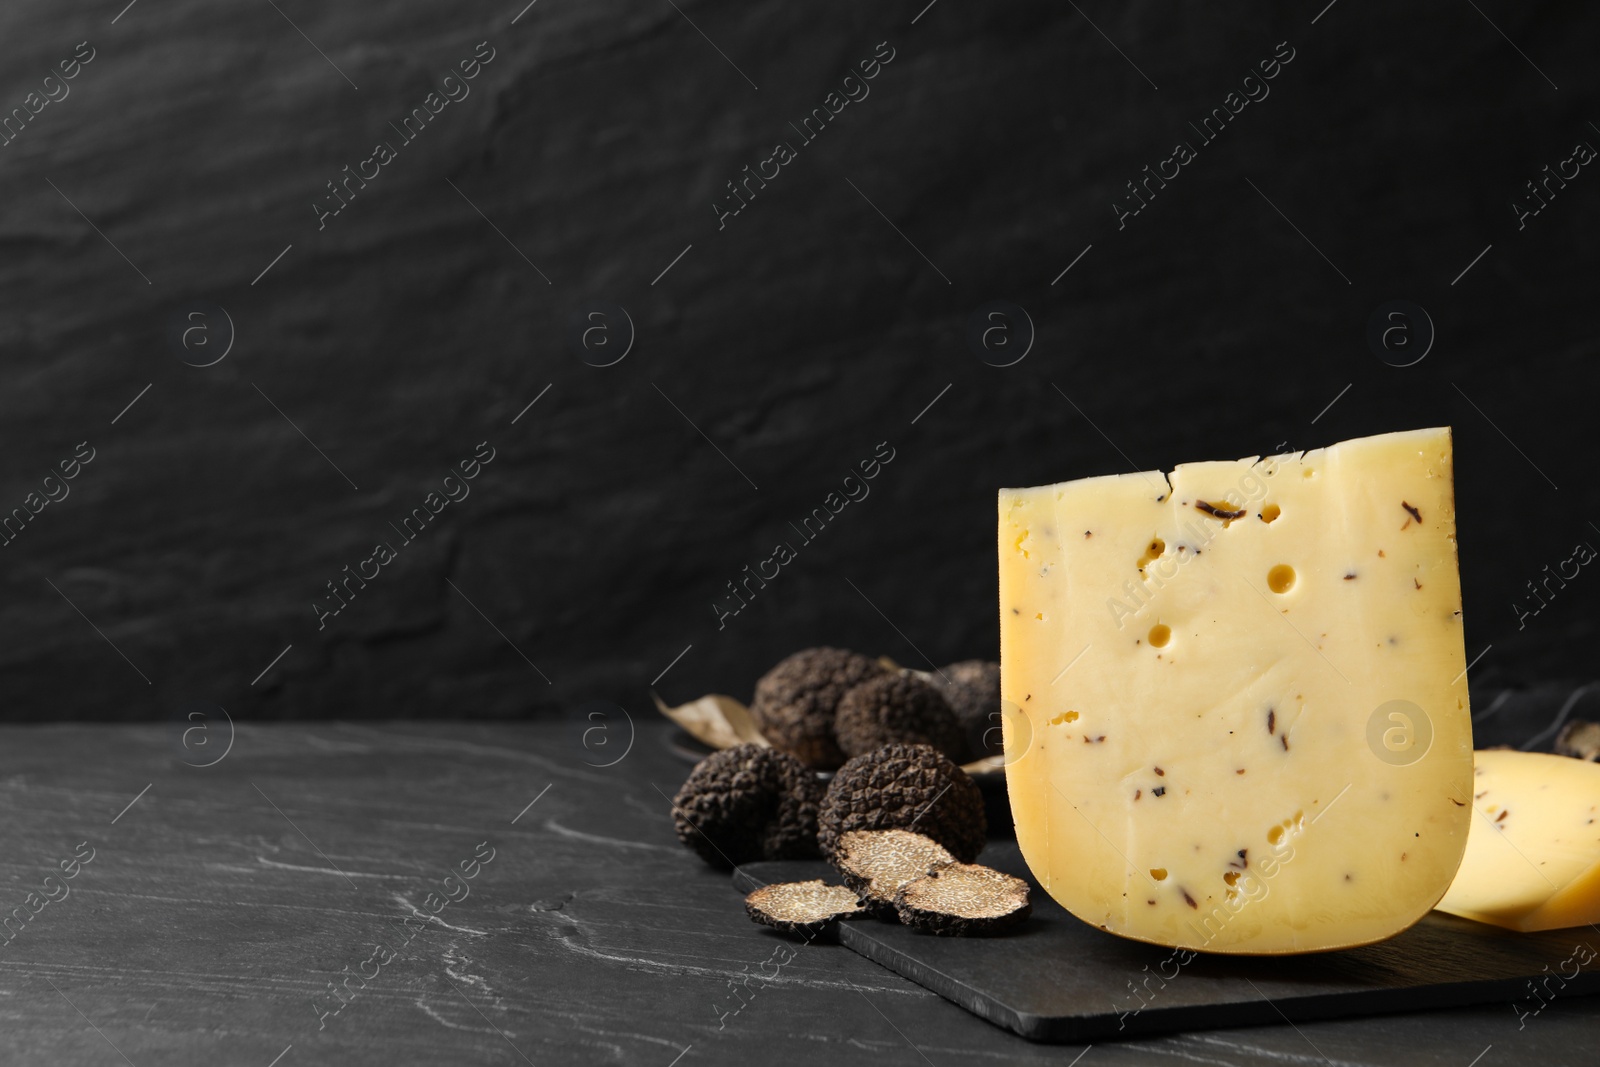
(802, 907)
(876, 863)
(795, 702)
(972, 688)
(963, 900)
(897, 708)
(904, 787)
(748, 803)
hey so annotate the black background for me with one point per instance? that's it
(1220, 321)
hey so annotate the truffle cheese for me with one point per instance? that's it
(1533, 853)
(1234, 697)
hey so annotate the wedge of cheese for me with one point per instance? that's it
(1533, 853)
(1236, 697)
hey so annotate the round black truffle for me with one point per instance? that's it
(972, 688)
(749, 803)
(904, 787)
(897, 708)
(795, 702)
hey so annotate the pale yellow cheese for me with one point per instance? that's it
(1236, 699)
(1533, 854)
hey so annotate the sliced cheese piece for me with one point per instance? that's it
(1533, 854)
(1235, 695)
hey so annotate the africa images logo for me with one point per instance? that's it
(1255, 90)
(852, 89)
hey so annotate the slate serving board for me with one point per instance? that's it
(1057, 979)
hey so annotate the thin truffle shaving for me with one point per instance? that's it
(800, 907)
(964, 900)
(876, 863)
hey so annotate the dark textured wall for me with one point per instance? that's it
(774, 355)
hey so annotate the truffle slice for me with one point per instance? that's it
(748, 803)
(876, 863)
(897, 708)
(904, 787)
(963, 900)
(972, 689)
(802, 907)
(1580, 740)
(795, 702)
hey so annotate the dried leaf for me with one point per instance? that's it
(987, 765)
(716, 720)
(1579, 739)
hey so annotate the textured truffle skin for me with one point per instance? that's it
(795, 702)
(964, 900)
(972, 688)
(748, 803)
(897, 708)
(904, 787)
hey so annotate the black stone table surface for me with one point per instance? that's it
(485, 894)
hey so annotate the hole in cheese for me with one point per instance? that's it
(1280, 579)
(1270, 512)
(1064, 717)
(1158, 873)
(1160, 634)
(1152, 553)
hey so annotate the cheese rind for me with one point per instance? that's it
(1237, 695)
(1533, 853)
